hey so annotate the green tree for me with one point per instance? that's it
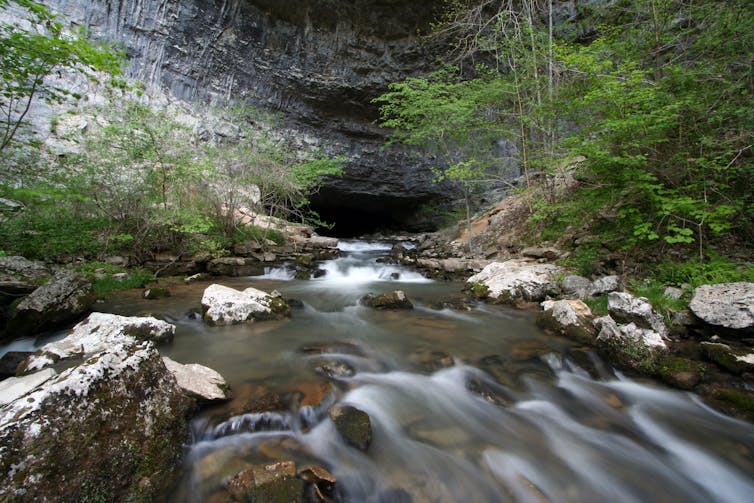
(30, 56)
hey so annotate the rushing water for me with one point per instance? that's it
(546, 420)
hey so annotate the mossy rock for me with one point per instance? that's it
(156, 293)
(679, 372)
(354, 425)
(477, 290)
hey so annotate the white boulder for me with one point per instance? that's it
(226, 306)
(727, 305)
(518, 279)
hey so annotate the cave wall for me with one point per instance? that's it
(318, 63)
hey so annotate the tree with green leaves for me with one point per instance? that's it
(34, 52)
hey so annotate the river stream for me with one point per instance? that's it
(474, 405)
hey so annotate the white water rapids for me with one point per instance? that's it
(509, 414)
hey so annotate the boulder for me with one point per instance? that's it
(734, 360)
(198, 381)
(222, 305)
(612, 333)
(14, 388)
(625, 308)
(393, 300)
(10, 361)
(271, 482)
(571, 318)
(64, 298)
(605, 284)
(517, 280)
(576, 286)
(110, 429)
(99, 332)
(353, 425)
(19, 276)
(727, 305)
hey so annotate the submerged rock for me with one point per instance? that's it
(727, 305)
(272, 482)
(198, 381)
(353, 425)
(517, 280)
(66, 296)
(393, 300)
(99, 332)
(110, 429)
(225, 306)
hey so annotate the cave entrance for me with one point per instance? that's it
(353, 215)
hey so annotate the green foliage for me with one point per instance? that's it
(693, 273)
(29, 56)
(598, 305)
(654, 292)
(101, 274)
(584, 260)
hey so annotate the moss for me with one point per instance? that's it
(741, 401)
(680, 372)
(478, 290)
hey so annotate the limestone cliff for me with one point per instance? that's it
(316, 62)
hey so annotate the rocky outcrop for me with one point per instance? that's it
(110, 429)
(222, 305)
(392, 300)
(316, 63)
(64, 298)
(99, 332)
(198, 381)
(728, 305)
(20, 276)
(625, 308)
(627, 337)
(515, 280)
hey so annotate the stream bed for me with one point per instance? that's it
(475, 405)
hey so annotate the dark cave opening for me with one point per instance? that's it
(352, 215)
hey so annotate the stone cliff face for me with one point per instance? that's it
(316, 62)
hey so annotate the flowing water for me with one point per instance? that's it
(469, 405)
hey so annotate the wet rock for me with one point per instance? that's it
(10, 361)
(727, 305)
(346, 348)
(65, 297)
(571, 318)
(222, 305)
(20, 276)
(605, 284)
(235, 266)
(197, 381)
(201, 276)
(625, 308)
(13, 388)
(272, 482)
(517, 280)
(320, 484)
(680, 372)
(526, 350)
(99, 332)
(353, 425)
(156, 293)
(334, 369)
(734, 360)
(118, 418)
(250, 397)
(576, 286)
(432, 360)
(393, 300)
